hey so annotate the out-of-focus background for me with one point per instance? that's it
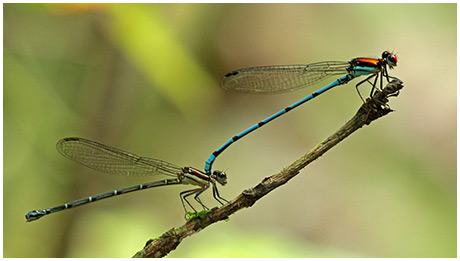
(145, 78)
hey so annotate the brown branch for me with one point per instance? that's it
(371, 110)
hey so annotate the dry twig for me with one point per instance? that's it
(371, 110)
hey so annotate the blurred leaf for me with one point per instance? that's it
(166, 63)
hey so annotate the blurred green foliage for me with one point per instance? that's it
(144, 78)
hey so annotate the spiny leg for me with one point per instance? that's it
(199, 200)
(375, 83)
(392, 78)
(215, 194)
(363, 81)
(385, 73)
(188, 193)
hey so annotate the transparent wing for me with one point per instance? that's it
(278, 79)
(112, 160)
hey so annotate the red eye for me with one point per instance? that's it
(389, 58)
(393, 58)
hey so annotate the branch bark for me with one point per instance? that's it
(373, 109)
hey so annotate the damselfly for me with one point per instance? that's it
(115, 161)
(278, 79)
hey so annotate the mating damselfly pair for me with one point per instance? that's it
(268, 79)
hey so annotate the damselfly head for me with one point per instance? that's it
(220, 176)
(389, 58)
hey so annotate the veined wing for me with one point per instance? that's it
(278, 79)
(112, 160)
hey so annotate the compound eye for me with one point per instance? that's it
(221, 177)
(389, 58)
(392, 60)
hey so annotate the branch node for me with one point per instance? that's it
(248, 192)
